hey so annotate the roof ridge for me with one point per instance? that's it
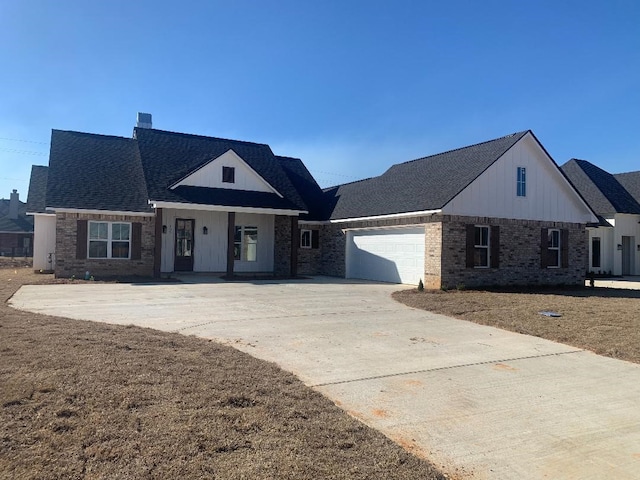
(89, 134)
(522, 133)
(194, 135)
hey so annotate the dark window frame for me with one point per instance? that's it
(228, 174)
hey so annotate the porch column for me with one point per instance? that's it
(294, 246)
(231, 233)
(157, 250)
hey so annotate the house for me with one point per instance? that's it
(16, 228)
(500, 212)
(614, 241)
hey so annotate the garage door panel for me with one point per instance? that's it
(395, 256)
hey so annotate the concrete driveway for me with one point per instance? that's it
(477, 401)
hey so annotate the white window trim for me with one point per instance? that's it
(109, 240)
(558, 248)
(310, 233)
(487, 246)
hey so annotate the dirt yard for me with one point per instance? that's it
(81, 400)
(605, 321)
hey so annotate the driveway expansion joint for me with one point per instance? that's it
(436, 369)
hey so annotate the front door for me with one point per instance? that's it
(628, 259)
(184, 245)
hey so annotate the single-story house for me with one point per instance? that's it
(614, 241)
(500, 212)
(16, 228)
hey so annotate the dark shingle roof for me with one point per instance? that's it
(601, 190)
(37, 196)
(95, 172)
(232, 198)
(427, 183)
(631, 182)
(168, 157)
(306, 185)
(22, 224)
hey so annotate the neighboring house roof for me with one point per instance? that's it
(22, 224)
(601, 190)
(424, 184)
(168, 157)
(37, 196)
(95, 172)
(631, 182)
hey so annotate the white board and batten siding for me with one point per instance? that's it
(394, 255)
(549, 197)
(44, 242)
(210, 251)
(210, 175)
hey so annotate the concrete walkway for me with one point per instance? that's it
(477, 401)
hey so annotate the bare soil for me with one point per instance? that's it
(82, 400)
(603, 320)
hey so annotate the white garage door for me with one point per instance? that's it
(391, 255)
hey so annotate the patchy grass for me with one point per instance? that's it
(605, 321)
(89, 400)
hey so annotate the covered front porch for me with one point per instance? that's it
(207, 239)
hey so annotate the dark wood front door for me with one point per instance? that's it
(184, 245)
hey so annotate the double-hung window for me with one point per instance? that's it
(553, 248)
(245, 244)
(109, 240)
(595, 252)
(309, 238)
(521, 182)
(481, 247)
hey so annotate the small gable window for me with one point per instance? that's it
(309, 238)
(228, 175)
(521, 182)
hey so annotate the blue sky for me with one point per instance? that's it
(351, 87)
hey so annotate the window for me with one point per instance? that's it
(595, 252)
(228, 175)
(522, 182)
(245, 244)
(305, 238)
(309, 238)
(481, 247)
(553, 248)
(109, 240)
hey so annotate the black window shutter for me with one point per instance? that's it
(495, 246)
(315, 238)
(544, 244)
(81, 239)
(471, 241)
(136, 241)
(564, 248)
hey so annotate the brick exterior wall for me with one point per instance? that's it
(68, 265)
(282, 246)
(519, 254)
(445, 252)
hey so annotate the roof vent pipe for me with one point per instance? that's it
(144, 120)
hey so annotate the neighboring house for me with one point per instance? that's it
(16, 228)
(496, 213)
(614, 244)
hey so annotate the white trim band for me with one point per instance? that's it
(101, 212)
(390, 216)
(223, 208)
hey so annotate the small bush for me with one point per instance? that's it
(420, 286)
(460, 286)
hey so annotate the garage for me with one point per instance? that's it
(386, 255)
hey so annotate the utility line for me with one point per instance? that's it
(25, 141)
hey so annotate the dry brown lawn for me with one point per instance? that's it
(603, 320)
(82, 400)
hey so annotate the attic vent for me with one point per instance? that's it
(144, 120)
